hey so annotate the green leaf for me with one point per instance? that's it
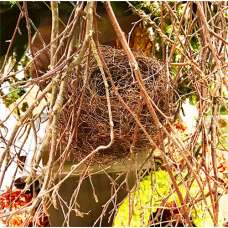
(168, 29)
(193, 99)
(14, 94)
(195, 44)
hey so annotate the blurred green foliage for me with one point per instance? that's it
(13, 95)
(148, 197)
(195, 44)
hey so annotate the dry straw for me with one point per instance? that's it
(92, 127)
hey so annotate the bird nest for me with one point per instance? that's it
(90, 128)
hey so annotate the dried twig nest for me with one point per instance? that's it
(92, 129)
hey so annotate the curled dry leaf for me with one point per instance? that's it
(15, 199)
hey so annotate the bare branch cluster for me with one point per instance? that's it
(101, 106)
